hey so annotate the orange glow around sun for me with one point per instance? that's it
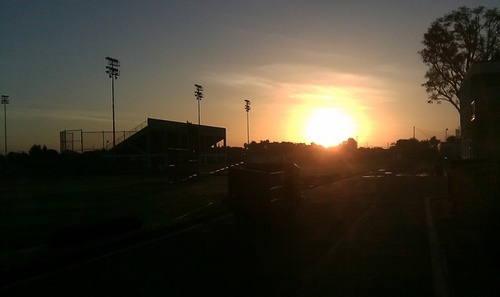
(327, 115)
(328, 127)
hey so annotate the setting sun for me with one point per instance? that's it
(328, 127)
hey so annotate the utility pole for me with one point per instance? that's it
(5, 101)
(247, 108)
(198, 94)
(113, 72)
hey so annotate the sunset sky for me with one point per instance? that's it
(351, 65)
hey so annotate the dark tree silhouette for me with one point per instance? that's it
(452, 43)
(415, 149)
(349, 145)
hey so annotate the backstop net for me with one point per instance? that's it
(80, 141)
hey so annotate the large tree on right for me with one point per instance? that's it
(452, 43)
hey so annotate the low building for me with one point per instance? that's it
(158, 144)
(480, 111)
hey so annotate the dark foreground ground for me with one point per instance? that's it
(362, 236)
(468, 223)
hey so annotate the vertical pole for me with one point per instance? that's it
(5, 125)
(113, 107)
(113, 72)
(5, 101)
(247, 109)
(248, 130)
(198, 94)
(199, 121)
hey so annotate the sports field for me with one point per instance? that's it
(35, 210)
(39, 213)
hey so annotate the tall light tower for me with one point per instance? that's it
(198, 94)
(113, 72)
(5, 101)
(247, 108)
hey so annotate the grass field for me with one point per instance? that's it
(34, 210)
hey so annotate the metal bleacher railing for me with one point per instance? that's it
(127, 134)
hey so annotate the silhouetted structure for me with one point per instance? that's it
(157, 144)
(198, 94)
(5, 101)
(480, 108)
(113, 72)
(71, 140)
(247, 109)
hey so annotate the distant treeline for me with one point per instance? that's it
(40, 159)
(300, 153)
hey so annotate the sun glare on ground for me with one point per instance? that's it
(328, 127)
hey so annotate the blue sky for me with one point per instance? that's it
(358, 58)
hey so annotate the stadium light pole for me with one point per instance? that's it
(113, 72)
(247, 109)
(5, 101)
(198, 94)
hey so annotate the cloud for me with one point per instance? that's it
(62, 115)
(297, 84)
(240, 80)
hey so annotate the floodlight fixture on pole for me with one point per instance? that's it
(198, 94)
(247, 109)
(5, 101)
(113, 72)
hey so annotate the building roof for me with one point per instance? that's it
(157, 124)
(480, 75)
